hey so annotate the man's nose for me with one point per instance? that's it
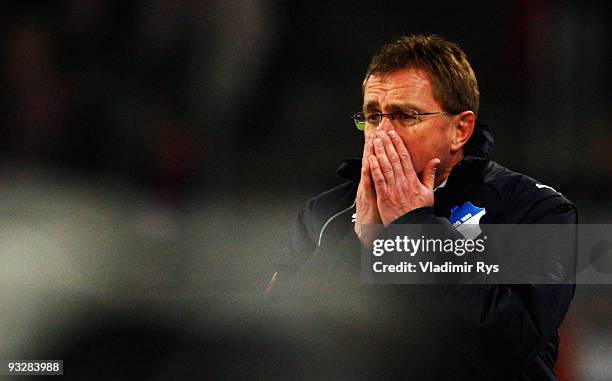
(386, 124)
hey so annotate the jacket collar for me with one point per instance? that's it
(467, 173)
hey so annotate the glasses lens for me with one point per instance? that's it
(408, 119)
(359, 120)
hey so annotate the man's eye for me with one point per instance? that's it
(373, 118)
(411, 115)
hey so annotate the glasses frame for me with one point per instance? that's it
(393, 115)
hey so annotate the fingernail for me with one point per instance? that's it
(381, 134)
(377, 142)
(392, 133)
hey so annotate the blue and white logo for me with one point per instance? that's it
(466, 218)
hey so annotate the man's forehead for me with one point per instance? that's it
(409, 77)
(401, 84)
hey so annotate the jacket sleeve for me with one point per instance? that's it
(296, 251)
(502, 330)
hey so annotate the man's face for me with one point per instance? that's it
(410, 90)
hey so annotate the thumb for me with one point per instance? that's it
(429, 174)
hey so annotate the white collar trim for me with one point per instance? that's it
(441, 185)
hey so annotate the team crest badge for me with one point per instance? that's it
(466, 218)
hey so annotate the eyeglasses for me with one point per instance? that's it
(406, 119)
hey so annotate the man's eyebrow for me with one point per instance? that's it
(404, 106)
(371, 105)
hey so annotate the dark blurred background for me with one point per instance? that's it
(153, 155)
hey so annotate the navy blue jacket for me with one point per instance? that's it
(476, 332)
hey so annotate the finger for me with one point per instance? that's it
(403, 153)
(429, 173)
(383, 162)
(364, 157)
(366, 180)
(377, 176)
(367, 146)
(392, 155)
(368, 150)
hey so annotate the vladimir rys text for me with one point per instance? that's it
(412, 247)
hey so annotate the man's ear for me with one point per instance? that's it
(464, 127)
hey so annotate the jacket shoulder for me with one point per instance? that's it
(326, 204)
(525, 199)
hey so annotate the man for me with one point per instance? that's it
(425, 159)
